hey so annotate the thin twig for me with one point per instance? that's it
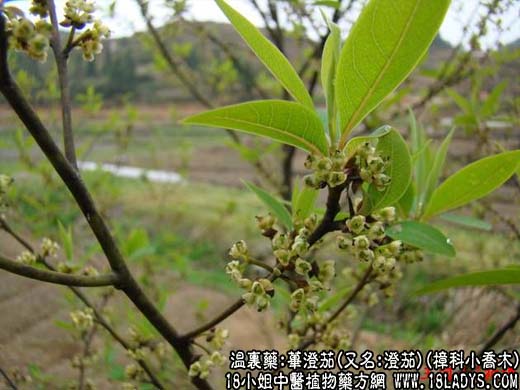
(53, 277)
(63, 79)
(501, 332)
(8, 380)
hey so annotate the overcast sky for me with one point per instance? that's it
(128, 18)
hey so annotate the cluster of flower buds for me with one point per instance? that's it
(49, 248)
(326, 170)
(90, 41)
(27, 258)
(134, 372)
(371, 166)
(259, 294)
(335, 337)
(289, 250)
(217, 338)
(83, 320)
(31, 38)
(366, 240)
(78, 13)
(202, 367)
(266, 225)
(5, 183)
(39, 8)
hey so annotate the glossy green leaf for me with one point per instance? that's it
(329, 62)
(484, 278)
(287, 122)
(406, 203)
(269, 54)
(464, 220)
(394, 150)
(422, 236)
(473, 182)
(276, 206)
(386, 43)
(437, 167)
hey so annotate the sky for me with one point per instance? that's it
(128, 19)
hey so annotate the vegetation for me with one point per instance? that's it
(367, 223)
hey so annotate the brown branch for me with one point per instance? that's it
(53, 277)
(8, 380)
(77, 188)
(63, 79)
(500, 333)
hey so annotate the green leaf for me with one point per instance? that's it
(328, 3)
(406, 203)
(287, 122)
(269, 54)
(393, 149)
(473, 182)
(353, 143)
(275, 205)
(466, 221)
(304, 202)
(422, 236)
(386, 43)
(492, 102)
(463, 103)
(329, 62)
(66, 241)
(484, 278)
(436, 169)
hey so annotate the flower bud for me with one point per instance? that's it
(375, 164)
(386, 214)
(311, 221)
(195, 370)
(266, 285)
(249, 298)
(310, 162)
(283, 256)
(366, 255)
(395, 247)
(356, 224)
(262, 303)
(302, 267)
(257, 288)
(324, 164)
(381, 181)
(281, 241)
(337, 178)
(245, 283)
(344, 242)
(49, 248)
(239, 250)
(366, 175)
(379, 263)
(361, 242)
(327, 271)
(217, 358)
(265, 222)
(376, 231)
(300, 246)
(27, 258)
(297, 297)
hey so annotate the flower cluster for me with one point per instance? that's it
(39, 8)
(216, 340)
(27, 258)
(371, 166)
(90, 41)
(202, 367)
(78, 13)
(5, 183)
(83, 320)
(31, 38)
(49, 248)
(327, 170)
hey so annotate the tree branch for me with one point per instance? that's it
(27, 271)
(500, 333)
(77, 188)
(61, 58)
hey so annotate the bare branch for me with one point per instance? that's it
(57, 277)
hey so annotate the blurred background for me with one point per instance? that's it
(174, 194)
